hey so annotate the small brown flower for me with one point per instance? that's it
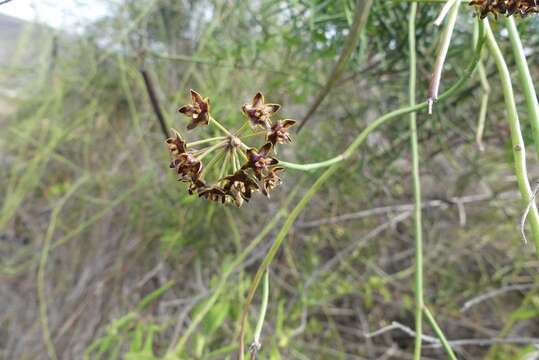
(214, 193)
(278, 133)
(187, 166)
(176, 145)
(271, 181)
(198, 110)
(240, 186)
(259, 161)
(259, 113)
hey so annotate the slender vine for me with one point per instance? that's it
(416, 186)
(518, 146)
(333, 166)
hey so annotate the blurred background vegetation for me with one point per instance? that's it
(104, 255)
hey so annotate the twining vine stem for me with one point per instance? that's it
(333, 165)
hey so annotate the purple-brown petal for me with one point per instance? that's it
(271, 108)
(264, 150)
(258, 99)
(196, 97)
(286, 123)
(187, 110)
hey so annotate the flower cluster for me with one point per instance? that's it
(506, 7)
(235, 170)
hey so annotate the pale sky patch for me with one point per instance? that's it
(60, 14)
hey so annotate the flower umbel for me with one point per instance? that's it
(258, 112)
(215, 172)
(198, 110)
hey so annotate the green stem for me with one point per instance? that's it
(220, 287)
(253, 134)
(327, 175)
(389, 116)
(445, 9)
(361, 15)
(484, 98)
(221, 127)
(519, 150)
(210, 164)
(263, 309)
(42, 298)
(442, 54)
(440, 334)
(243, 154)
(242, 128)
(417, 188)
(234, 160)
(237, 159)
(224, 166)
(200, 142)
(211, 149)
(525, 79)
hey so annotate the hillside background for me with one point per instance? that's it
(104, 255)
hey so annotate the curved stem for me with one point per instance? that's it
(396, 113)
(484, 98)
(525, 79)
(326, 175)
(230, 269)
(263, 309)
(519, 150)
(434, 85)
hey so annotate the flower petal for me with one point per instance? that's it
(286, 123)
(258, 99)
(196, 97)
(264, 150)
(187, 110)
(272, 108)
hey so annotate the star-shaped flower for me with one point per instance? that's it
(240, 186)
(176, 145)
(258, 112)
(278, 133)
(198, 110)
(187, 166)
(271, 181)
(259, 161)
